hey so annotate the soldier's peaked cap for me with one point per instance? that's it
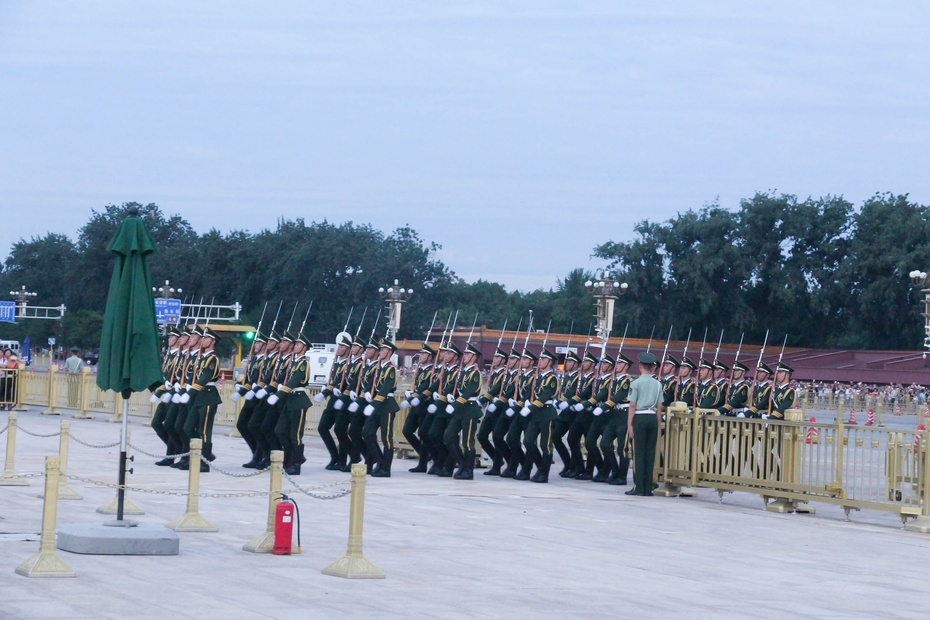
(209, 333)
(764, 368)
(623, 359)
(571, 355)
(427, 349)
(706, 363)
(273, 337)
(670, 359)
(303, 339)
(719, 365)
(470, 348)
(498, 352)
(589, 356)
(259, 338)
(549, 355)
(286, 337)
(529, 355)
(607, 360)
(784, 367)
(451, 347)
(387, 344)
(740, 366)
(345, 341)
(687, 363)
(371, 345)
(358, 342)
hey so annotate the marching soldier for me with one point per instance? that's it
(784, 396)
(738, 393)
(723, 383)
(646, 398)
(761, 392)
(329, 416)
(523, 391)
(291, 398)
(568, 388)
(380, 412)
(493, 404)
(245, 390)
(669, 380)
(599, 394)
(504, 418)
(416, 430)
(459, 436)
(274, 408)
(186, 378)
(687, 389)
(540, 415)
(350, 449)
(266, 374)
(707, 392)
(360, 397)
(163, 397)
(583, 416)
(615, 418)
(444, 461)
(204, 397)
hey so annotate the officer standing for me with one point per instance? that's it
(645, 414)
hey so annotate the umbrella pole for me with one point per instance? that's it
(122, 461)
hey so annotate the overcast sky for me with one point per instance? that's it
(485, 125)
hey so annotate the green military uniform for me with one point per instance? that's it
(723, 384)
(343, 428)
(537, 436)
(163, 396)
(415, 428)
(647, 394)
(275, 407)
(294, 403)
(494, 407)
(266, 374)
(616, 416)
(366, 383)
(583, 417)
(599, 394)
(380, 414)
(444, 463)
(687, 387)
(670, 382)
(459, 436)
(330, 413)
(182, 399)
(509, 384)
(568, 387)
(205, 399)
(518, 422)
(245, 389)
(761, 394)
(737, 395)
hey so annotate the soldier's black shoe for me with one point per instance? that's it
(444, 473)
(253, 464)
(523, 474)
(165, 462)
(464, 474)
(180, 462)
(617, 481)
(381, 472)
(293, 469)
(494, 471)
(434, 469)
(204, 468)
(565, 472)
(332, 465)
(345, 467)
(540, 477)
(634, 492)
(510, 472)
(419, 469)
(585, 475)
(600, 477)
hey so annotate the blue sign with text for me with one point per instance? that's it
(167, 311)
(8, 311)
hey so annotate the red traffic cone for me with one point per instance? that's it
(813, 435)
(852, 417)
(897, 408)
(920, 427)
(871, 420)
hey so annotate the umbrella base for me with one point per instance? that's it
(100, 539)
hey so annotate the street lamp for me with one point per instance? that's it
(394, 296)
(605, 291)
(167, 291)
(919, 278)
(22, 297)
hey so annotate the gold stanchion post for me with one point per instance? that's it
(46, 562)
(9, 478)
(85, 395)
(64, 489)
(265, 542)
(922, 523)
(52, 392)
(192, 520)
(353, 564)
(18, 389)
(129, 507)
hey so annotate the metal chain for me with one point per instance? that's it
(5, 428)
(157, 456)
(110, 485)
(213, 467)
(322, 487)
(94, 445)
(37, 474)
(56, 434)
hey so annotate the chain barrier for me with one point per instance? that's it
(55, 434)
(233, 474)
(94, 445)
(322, 487)
(38, 474)
(5, 428)
(125, 487)
(157, 456)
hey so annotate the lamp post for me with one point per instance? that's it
(167, 291)
(605, 291)
(394, 296)
(22, 297)
(919, 278)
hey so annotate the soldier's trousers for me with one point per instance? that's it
(170, 426)
(595, 459)
(356, 423)
(459, 436)
(412, 428)
(383, 422)
(499, 436)
(325, 427)
(341, 430)
(180, 425)
(559, 429)
(485, 432)
(272, 414)
(158, 422)
(437, 431)
(289, 430)
(579, 429)
(613, 439)
(538, 441)
(645, 436)
(199, 425)
(242, 424)
(518, 424)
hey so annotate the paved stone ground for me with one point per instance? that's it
(456, 549)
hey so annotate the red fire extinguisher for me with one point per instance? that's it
(285, 512)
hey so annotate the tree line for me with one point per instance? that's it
(822, 271)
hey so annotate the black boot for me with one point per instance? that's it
(588, 473)
(341, 456)
(619, 479)
(524, 473)
(183, 463)
(208, 452)
(467, 471)
(256, 459)
(543, 474)
(301, 459)
(384, 471)
(447, 466)
(204, 468)
(292, 461)
(495, 465)
(458, 459)
(169, 449)
(264, 462)
(421, 464)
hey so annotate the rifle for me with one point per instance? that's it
(442, 377)
(501, 337)
(651, 334)
(358, 329)
(301, 330)
(332, 369)
(442, 339)
(345, 328)
(755, 376)
(684, 354)
(717, 351)
(458, 378)
(429, 332)
(587, 341)
(546, 338)
(258, 331)
(289, 323)
(772, 391)
(472, 330)
(210, 311)
(700, 357)
(516, 335)
(665, 351)
(374, 327)
(736, 359)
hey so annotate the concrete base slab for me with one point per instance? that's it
(98, 539)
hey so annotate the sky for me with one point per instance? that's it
(517, 135)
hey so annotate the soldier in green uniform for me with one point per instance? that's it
(761, 392)
(186, 376)
(568, 386)
(171, 396)
(415, 428)
(583, 416)
(329, 415)
(350, 452)
(291, 397)
(615, 416)
(669, 380)
(687, 387)
(707, 392)
(492, 402)
(737, 394)
(599, 394)
(360, 397)
(274, 408)
(162, 396)
(444, 462)
(784, 396)
(463, 406)
(204, 396)
(244, 389)
(646, 397)
(380, 412)
(259, 393)
(723, 383)
(518, 422)
(540, 415)
(502, 424)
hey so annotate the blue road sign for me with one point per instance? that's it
(167, 311)
(8, 311)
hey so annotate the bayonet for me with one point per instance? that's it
(472, 331)
(665, 350)
(501, 337)
(258, 330)
(348, 318)
(277, 314)
(305, 318)
(374, 328)
(717, 351)
(651, 334)
(516, 335)
(703, 344)
(291, 322)
(431, 325)
(358, 330)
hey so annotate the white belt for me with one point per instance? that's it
(644, 411)
(303, 389)
(211, 384)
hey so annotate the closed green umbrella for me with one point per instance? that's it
(129, 352)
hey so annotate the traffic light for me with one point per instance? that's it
(249, 335)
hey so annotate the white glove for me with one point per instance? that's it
(435, 396)
(492, 407)
(563, 405)
(415, 402)
(318, 397)
(339, 405)
(166, 397)
(177, 386)
(510, 412)
(262, 393)
(249, 395)
(337, 392)
(766, 416)
(153, 399)
(740, 415)
(370, 409)
(273, 399)
(254, 385)
(598, 411)
(450, 409)
(450, 397)
(408, 394)
(431, 408)
(168, 385)
(404, 404)
(367, 395)
(511, 402)
(185, 398)
(525, 411)
(235, 396)
(353, 406)
(175, 398)
(578, 406)
(353, 395)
